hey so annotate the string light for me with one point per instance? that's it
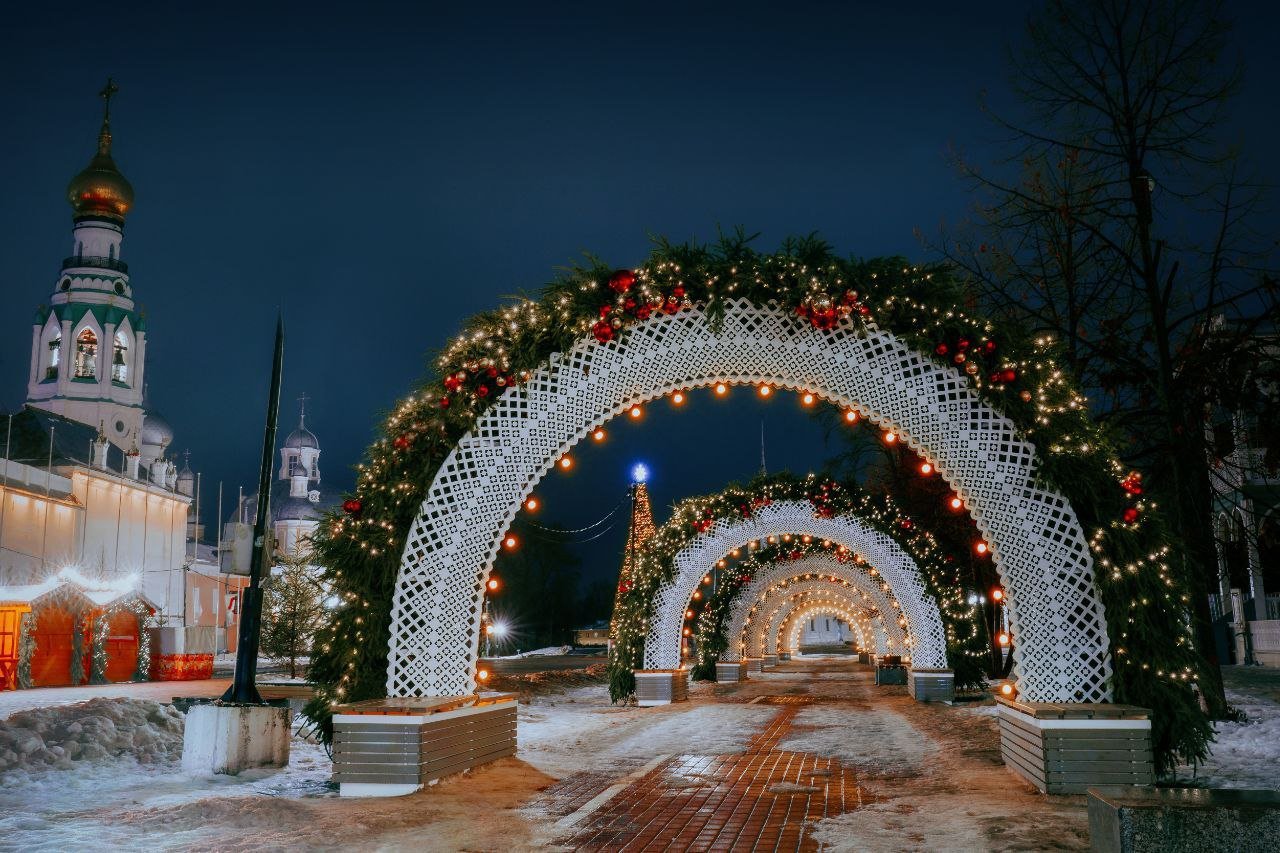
(721, 389)
(531, 504)
(635, 412)
(808, 399)
(765, 390)
(677, 398)
(566, 462)
(598, 435)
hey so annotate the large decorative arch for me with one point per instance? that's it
(523, 384)
(795, 517)
(779, 579)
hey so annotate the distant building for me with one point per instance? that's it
(592, 635)
(87, 489)
(297, 501)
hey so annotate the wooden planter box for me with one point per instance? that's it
(864, 657)
(888, 673)
(931, 685)
(393, 747)
(784, 655)
(1065, 748)
(754, 664)
(770, 660)
(661, 686)
(729, 671)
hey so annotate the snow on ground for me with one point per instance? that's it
(579, 730)
(876, 738)
(68, 772)
(1247, 754)
(543, 652)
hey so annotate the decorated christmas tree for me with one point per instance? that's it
(641, 528)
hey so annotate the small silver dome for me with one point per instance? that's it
(301, 437)
(156, 430)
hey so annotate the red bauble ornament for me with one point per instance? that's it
(1132, 483)
(1008, 375)
(603, 331)
(678, 291)
(482, 390)
(352, 506)
(1130, 515)
(962, 344)
(642, 312)
(401, 442)
(989, 346)
(444, 402)
(492, 372)
(604, 311)
(452, 383)
(622, 281)
(942, 349)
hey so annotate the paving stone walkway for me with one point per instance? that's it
(763, 799)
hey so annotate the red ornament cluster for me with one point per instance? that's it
(615, 315)
(478, 380)
(352, 507)
(825, 312)
(1132, 485)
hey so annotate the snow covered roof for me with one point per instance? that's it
(97, 591)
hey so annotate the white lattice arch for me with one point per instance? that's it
(899, 570)
(1040, 552)
(795, 624)
(755, 598)
(763, 635)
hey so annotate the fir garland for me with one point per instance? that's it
(77, 648)
(1014, 372)
(692, 517)
(26, 648)
(98, 657)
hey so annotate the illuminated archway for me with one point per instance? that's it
(1039, 550)
(757, 597)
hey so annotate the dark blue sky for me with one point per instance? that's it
(385, 172)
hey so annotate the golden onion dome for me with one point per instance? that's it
(100, 189)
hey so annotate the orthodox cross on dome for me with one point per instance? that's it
(104, 136)
(302, 410)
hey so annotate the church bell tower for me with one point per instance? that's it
(88, 345)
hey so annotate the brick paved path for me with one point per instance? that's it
(760, 800)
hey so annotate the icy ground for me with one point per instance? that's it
(105, 774)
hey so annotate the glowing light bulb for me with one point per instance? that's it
(956, 503)
(639, 473)
(981, 547)
(889, 437)
(1006, 689)
(926, 469)
(636, 412)
(721, 389)
(566, 462)
(510, 543)
(851, 416)
(1002, 638)
(765, 390)
(677, 398)
(483, 675)
(997, 594)
(807, 399)
(492, 584)
(598, 435)
(532, 504)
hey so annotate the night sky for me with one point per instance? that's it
(384, 176)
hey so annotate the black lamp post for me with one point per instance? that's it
(244, 688)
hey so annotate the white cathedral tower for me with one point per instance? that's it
(88, 346)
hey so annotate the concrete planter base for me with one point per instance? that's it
(661, 686)
(730, 671)
(931, 685)
(393, 747)
(1147, 820)
(1064, 748)
(231, 738)
(754, 664)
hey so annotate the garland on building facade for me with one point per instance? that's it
(77, 648)
(102, 631)
(692, 517)
(1016, 373)
(26, 648)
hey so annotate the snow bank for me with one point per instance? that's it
(97, 731)
(1246, 755)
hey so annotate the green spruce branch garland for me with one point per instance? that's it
(26, 649)
(1015, 372)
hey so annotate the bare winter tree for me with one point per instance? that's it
(1122, 227)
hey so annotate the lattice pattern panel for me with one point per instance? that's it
(792, 616)
(1039, 550)
(757, 596)
(773, 620)
(662, 646)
